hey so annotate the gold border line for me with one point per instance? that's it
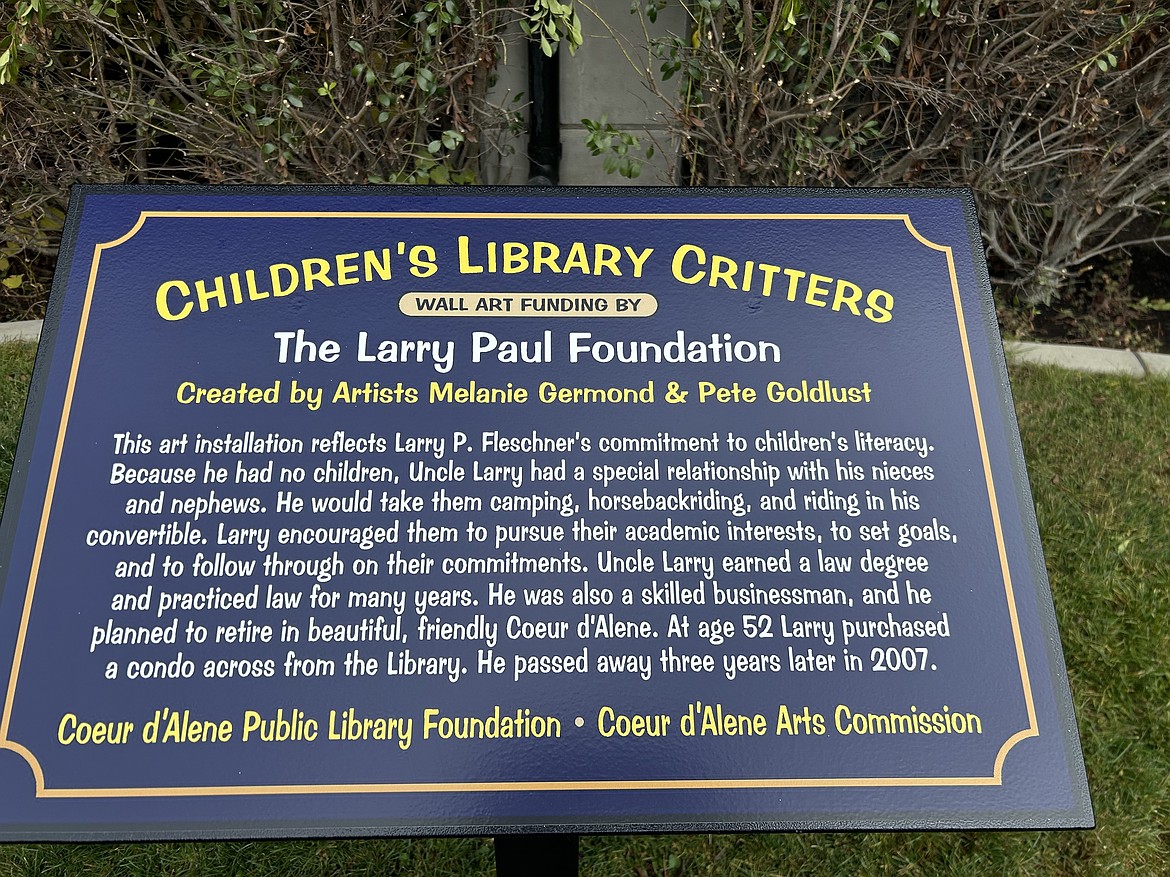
(1032, 730)
(50, 490)
(536, 786)
(995, 779)
(400, 214)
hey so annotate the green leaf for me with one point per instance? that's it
(294, 100)
(13, 281)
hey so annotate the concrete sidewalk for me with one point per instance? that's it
(1070, 356)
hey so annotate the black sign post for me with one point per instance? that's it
(505, 512)
(554, 854)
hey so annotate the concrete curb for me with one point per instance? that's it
(1089, 359)
(25, 330)
(1070, 356)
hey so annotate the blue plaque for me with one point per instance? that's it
(415, 511)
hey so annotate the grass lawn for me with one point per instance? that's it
(1098, 450)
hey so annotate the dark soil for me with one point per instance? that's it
(1125, 306)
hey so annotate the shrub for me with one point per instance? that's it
(237, 91)
(1056, 113)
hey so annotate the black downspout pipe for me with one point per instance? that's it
(544, 116)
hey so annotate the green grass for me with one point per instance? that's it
(1098, 450)
(15, 368)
